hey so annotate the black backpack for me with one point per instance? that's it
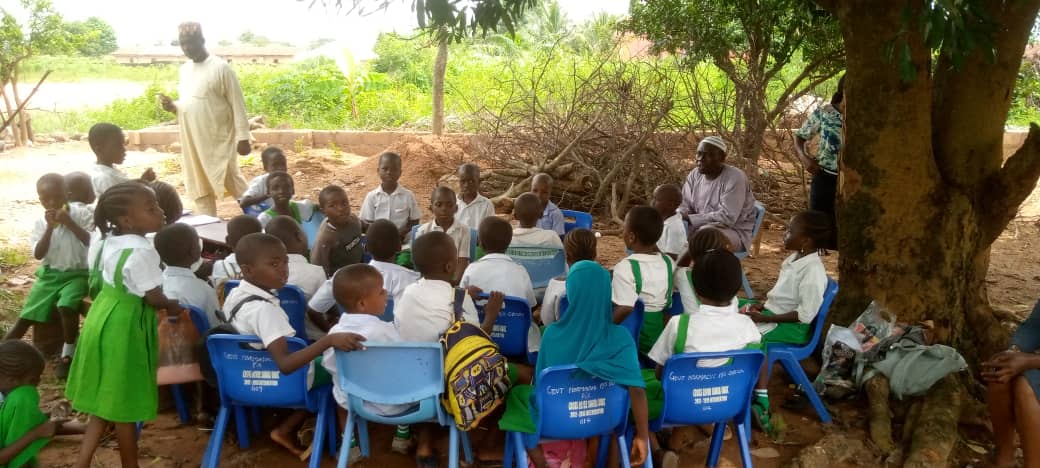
(223, 328)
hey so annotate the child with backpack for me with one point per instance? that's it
(646, 274)
(253, 310)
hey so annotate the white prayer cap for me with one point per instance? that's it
(714, 141)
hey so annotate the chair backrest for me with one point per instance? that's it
(198, 319)
(581, 220)
(802, 352)
(573, 404)
(392, 373)
(695, 393)
(256, 209)
(542, 263)
(677, 306)
(414, 234)
(311, 227)
(511, 327)
(365, 257)
(472, 245)
(760, 216)
(250, 377)
(388, 312)
(633, 323)
(293, 302)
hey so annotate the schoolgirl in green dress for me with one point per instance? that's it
(113, 375)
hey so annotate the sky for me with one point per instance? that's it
(144, 22)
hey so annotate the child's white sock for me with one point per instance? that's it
(68, 349)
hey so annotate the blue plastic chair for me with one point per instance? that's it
(760, 215)
(581, 220)
(572, 404)
(293, 302)
(201, 323)
(511, 328)
(395, 373)
(633, 323)
(255, 210)
(542, 263)
(694, 395)
(677, 307)
(248, 377)
(790, 356)
(312, 226)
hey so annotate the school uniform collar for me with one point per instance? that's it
(644, 256)
(387, 265)
(178, 272)
(496, 256)
(455, 226)
(297, 258)
(253, 289)
(433, 284)
(675, 215)
(478, 200)
(356, 320)
(549, 209)
(716, 310)
(799, 264)
(523, 230)
(400, 189)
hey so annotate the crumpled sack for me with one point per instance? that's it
(178, 361)
(841, 347)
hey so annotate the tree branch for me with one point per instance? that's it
(1015, 181)
(785, 97)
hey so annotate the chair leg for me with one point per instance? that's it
(320, 426)
(715, 449)
(241, 427)
(747, 285)
(182, 406)
(602, 453)
(794, 369)
(362, 430)
(254, 419)
(333, 430)
(508, 456)
(521, 450)
(453, 447)
(623, 450)
(344, 448)
(467, 449)
(212, 457)
(743, 431)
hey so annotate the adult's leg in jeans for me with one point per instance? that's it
(822, 193)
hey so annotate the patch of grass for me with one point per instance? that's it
(12, 257)
(77, 121)
(73, 69)
(11, 302)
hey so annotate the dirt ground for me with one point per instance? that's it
(1013, 282)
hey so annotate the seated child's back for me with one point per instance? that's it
(237, 228)
(578, 245)
(497, 271)
(178, 247)
(309, 278)
(527, 209)
(646, 274)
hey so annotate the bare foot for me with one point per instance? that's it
(287, 441)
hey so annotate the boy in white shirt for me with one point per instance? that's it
(427, 308)
(60, 240)
(552, 218)
(359, 288)
(473, 207)
(302, 274)
(497, 271)
(646, 274)
(237, 228)
(673, 241)
(109, 146)
(527, 209)
(253, 309)
(443, 206)
(178, 247)
(390, 200)
(273, 160)
(282, 189)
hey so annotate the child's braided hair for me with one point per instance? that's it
(115, 202)
(19, 359)
(580, 244)
(705, 240)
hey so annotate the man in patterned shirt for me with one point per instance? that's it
(826, 120)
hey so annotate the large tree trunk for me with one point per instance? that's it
(924, 193)
(440, 64)
(20, 126)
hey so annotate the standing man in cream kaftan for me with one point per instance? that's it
(213, 123)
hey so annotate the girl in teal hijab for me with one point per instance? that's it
(586, 337)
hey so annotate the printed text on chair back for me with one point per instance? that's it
(573, 404)
(511, 327)
(698, 394)
(250, 376)
(542, 263)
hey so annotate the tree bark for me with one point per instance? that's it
(440, 64)
(20, 124)
(923, 191)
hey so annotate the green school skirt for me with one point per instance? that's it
(787, 333)
(518, 416)
(19, 414)
(653, 325)
(113, 374)
(54, 288)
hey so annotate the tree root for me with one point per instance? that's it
(831, 450)
(880, 414)
(934, 432)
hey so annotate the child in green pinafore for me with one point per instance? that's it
(113, 375)
(646, 274)
(24, 429)
(282, 189)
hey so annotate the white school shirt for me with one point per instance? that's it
(141, 273)
(472, 214)
(711, 329)
(181, 285)
(554, 291)
(535, 237)
(225, 269)
(66, 252)
(103, 177)
(373, 329)
(309, 278)
(265, 318)
(457, 231)
(427, 310)
(306, 208)
(399, 207)
(673, 237)
(395, 279)
(498, 272)
(257, 187)
(799, 287)
(682, 283)
(655, 282)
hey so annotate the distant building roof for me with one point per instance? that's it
(226, 52)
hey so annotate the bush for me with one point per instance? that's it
(1025, 102)
(139, 112)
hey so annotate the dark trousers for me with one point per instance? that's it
(822, 193)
